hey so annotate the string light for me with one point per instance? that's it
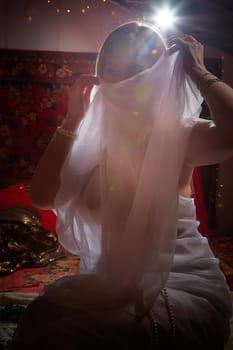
(219, 185)
(219, 189)
(83, 10)
(29, 19)
(222, 59)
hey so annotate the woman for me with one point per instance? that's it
(118, 174)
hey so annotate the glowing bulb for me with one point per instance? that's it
(165, 18)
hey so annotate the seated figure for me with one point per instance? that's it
(118, 173)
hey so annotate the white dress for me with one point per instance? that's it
(192, 311)
(196, 286)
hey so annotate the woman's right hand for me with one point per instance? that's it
(78, 99)
(193, 56)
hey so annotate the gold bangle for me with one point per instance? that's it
(205, 74)
(62, 131)
(207, 84)
(200, 79)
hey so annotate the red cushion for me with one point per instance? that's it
(18, 195)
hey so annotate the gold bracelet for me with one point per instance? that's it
(207, 84)
(62, 131)
(200, 80)
(205, 74)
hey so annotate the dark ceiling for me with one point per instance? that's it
(210, 21)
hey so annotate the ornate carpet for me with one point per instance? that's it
(33, 280)
(18, 289)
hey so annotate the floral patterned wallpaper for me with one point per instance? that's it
(32, 103)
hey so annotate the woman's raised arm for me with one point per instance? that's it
(210, 142)
(46, 179)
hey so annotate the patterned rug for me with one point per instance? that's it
(18, 289)
(33, 280)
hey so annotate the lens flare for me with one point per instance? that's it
(165, 18)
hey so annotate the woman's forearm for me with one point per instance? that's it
(219, 98)
(46, 179)
(218, 95)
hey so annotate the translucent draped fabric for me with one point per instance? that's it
(117, 204)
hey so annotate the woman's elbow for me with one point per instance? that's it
(41, 199)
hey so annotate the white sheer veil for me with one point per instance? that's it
(133, 139)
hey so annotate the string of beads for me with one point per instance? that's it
(171, 317)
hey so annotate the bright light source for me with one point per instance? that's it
(165, 18)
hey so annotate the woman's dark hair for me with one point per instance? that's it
(144, 36)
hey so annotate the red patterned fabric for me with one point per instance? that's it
(32, 103)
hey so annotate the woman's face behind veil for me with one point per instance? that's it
(127, 51)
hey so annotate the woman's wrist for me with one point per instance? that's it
(71, 123)
(66, 132)
(204, 79)
(67, 129)
(198, 73)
